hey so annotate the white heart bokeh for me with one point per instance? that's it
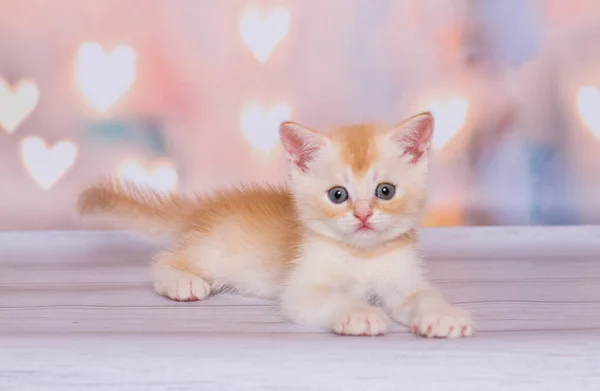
(261, 125)
(105, 77)
(160, 175)
(17, 103)
(45, 164)
(588, 104)
(450, 116)
(262, 33)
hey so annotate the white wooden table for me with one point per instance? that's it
(77, 313)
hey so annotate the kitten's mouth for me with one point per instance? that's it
(365, 228)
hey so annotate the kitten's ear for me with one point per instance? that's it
(301, 144)
(414, 135)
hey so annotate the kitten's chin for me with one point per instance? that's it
(365, 238)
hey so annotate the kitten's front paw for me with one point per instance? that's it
(365, 320)
(444, 322)
(182, 287)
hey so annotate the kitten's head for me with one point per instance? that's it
(361, 184)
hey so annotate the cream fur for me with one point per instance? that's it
(294, 246)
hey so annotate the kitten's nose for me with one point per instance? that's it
(362, 211)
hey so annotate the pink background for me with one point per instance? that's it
(520, 154)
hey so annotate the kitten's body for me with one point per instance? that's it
(299, 247)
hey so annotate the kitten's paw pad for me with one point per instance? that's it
(183, 287)
(444, 322)
(362, 321)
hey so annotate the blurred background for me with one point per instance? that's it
(186, 95)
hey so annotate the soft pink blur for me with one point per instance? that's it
(502, 80)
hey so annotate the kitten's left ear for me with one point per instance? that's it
(414, 135)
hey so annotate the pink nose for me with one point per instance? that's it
(362, 212)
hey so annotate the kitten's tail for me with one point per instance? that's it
(136, 207)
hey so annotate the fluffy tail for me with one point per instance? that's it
(136, 207)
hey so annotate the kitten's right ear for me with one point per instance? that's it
(301, 144)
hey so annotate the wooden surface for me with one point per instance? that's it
(77, 312)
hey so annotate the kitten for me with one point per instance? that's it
(341, 234)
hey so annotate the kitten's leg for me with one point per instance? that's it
(414, 302)
(177, 278)
(330, 309)
(430, 315)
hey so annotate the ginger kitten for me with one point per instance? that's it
(339, 236)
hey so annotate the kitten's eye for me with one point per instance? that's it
(385, 191)
(338, 194)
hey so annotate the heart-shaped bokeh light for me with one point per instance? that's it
(588, 104)
(105, 77)
(262, 33)
(17, 103)
(450, 116)
(160, 175)
(261, 125)
(45, 164)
